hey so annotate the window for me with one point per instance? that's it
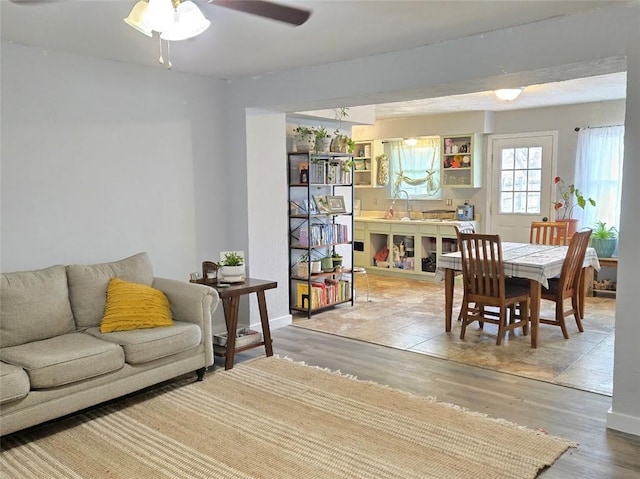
(521, 180)
(599, 158)
(415, 169)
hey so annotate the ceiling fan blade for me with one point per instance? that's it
(275, 11)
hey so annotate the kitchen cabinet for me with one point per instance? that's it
(412, 247)
(365, 166)
(320, 193)
(462, 161)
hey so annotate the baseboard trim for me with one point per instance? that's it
(274, 323)
(623, 423)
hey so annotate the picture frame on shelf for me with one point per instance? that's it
(309, 207)
(336, 204)
(321, 204)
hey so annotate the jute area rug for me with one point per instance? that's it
(274, 418)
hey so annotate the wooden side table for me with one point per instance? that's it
(230, 296)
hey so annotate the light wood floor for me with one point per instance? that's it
(559, 410)
(409, 315)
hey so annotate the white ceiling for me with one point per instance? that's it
(239, 44)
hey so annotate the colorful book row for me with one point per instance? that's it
(324, 234)
(322, 293)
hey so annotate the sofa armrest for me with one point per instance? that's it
(193, 303)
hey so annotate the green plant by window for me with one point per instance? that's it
(600, 231)
(567, 196)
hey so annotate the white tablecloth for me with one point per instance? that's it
(524, 260)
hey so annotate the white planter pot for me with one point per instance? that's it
(323, 144)
(232, 274)
(305, 143)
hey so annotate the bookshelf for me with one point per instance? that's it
(320, 194)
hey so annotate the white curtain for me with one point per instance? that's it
(599, 158)
(416, 169)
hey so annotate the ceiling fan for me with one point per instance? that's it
(272, 10)
(275, 11)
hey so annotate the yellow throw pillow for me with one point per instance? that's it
(134, 306)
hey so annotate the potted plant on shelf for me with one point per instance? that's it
(570, 197)
(603, 239)
(231, 267)
(337, 258)
(306, 265)
(327, 263)
(305, 138)
(322, 139)
(341, 143)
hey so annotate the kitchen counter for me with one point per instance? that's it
(408, 220)
(403, 247)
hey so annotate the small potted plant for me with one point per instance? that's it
(306, 265)
(305, 138)
(604, 239)
(342, 143)
(337, 258)
(570, 197)
(232, 267)
(322, 140)
(327, 263)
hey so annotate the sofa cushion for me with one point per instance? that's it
(34, 305)
(88, 285)
(64, 359)
(134, 306)
(142, 345)
(14, 383)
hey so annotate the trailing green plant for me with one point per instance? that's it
(302, 130)
(231, 259)
(600, 231)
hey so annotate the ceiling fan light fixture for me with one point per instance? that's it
(508, 94)
(136, 18)
(160, 15)
(189, 22)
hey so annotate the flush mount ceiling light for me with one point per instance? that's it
(508, 94)
(410, 141)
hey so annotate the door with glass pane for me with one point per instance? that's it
(521, 183)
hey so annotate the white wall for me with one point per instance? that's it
(562, 119)
(625, 411)
(266, 137)
(101, 160)
(553, 50)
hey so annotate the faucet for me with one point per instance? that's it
(397, 195)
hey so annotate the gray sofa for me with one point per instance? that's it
(53, 358)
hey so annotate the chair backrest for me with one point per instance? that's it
(548, 232)
(572, 266)
(465, 228)
(482, 266)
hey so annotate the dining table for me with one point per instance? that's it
(537, 263)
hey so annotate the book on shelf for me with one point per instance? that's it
(322, 293)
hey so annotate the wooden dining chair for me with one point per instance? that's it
(567, 286)
(485, 286)
(548, 232)
(463, 228)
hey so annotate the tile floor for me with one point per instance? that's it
(409, 315)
